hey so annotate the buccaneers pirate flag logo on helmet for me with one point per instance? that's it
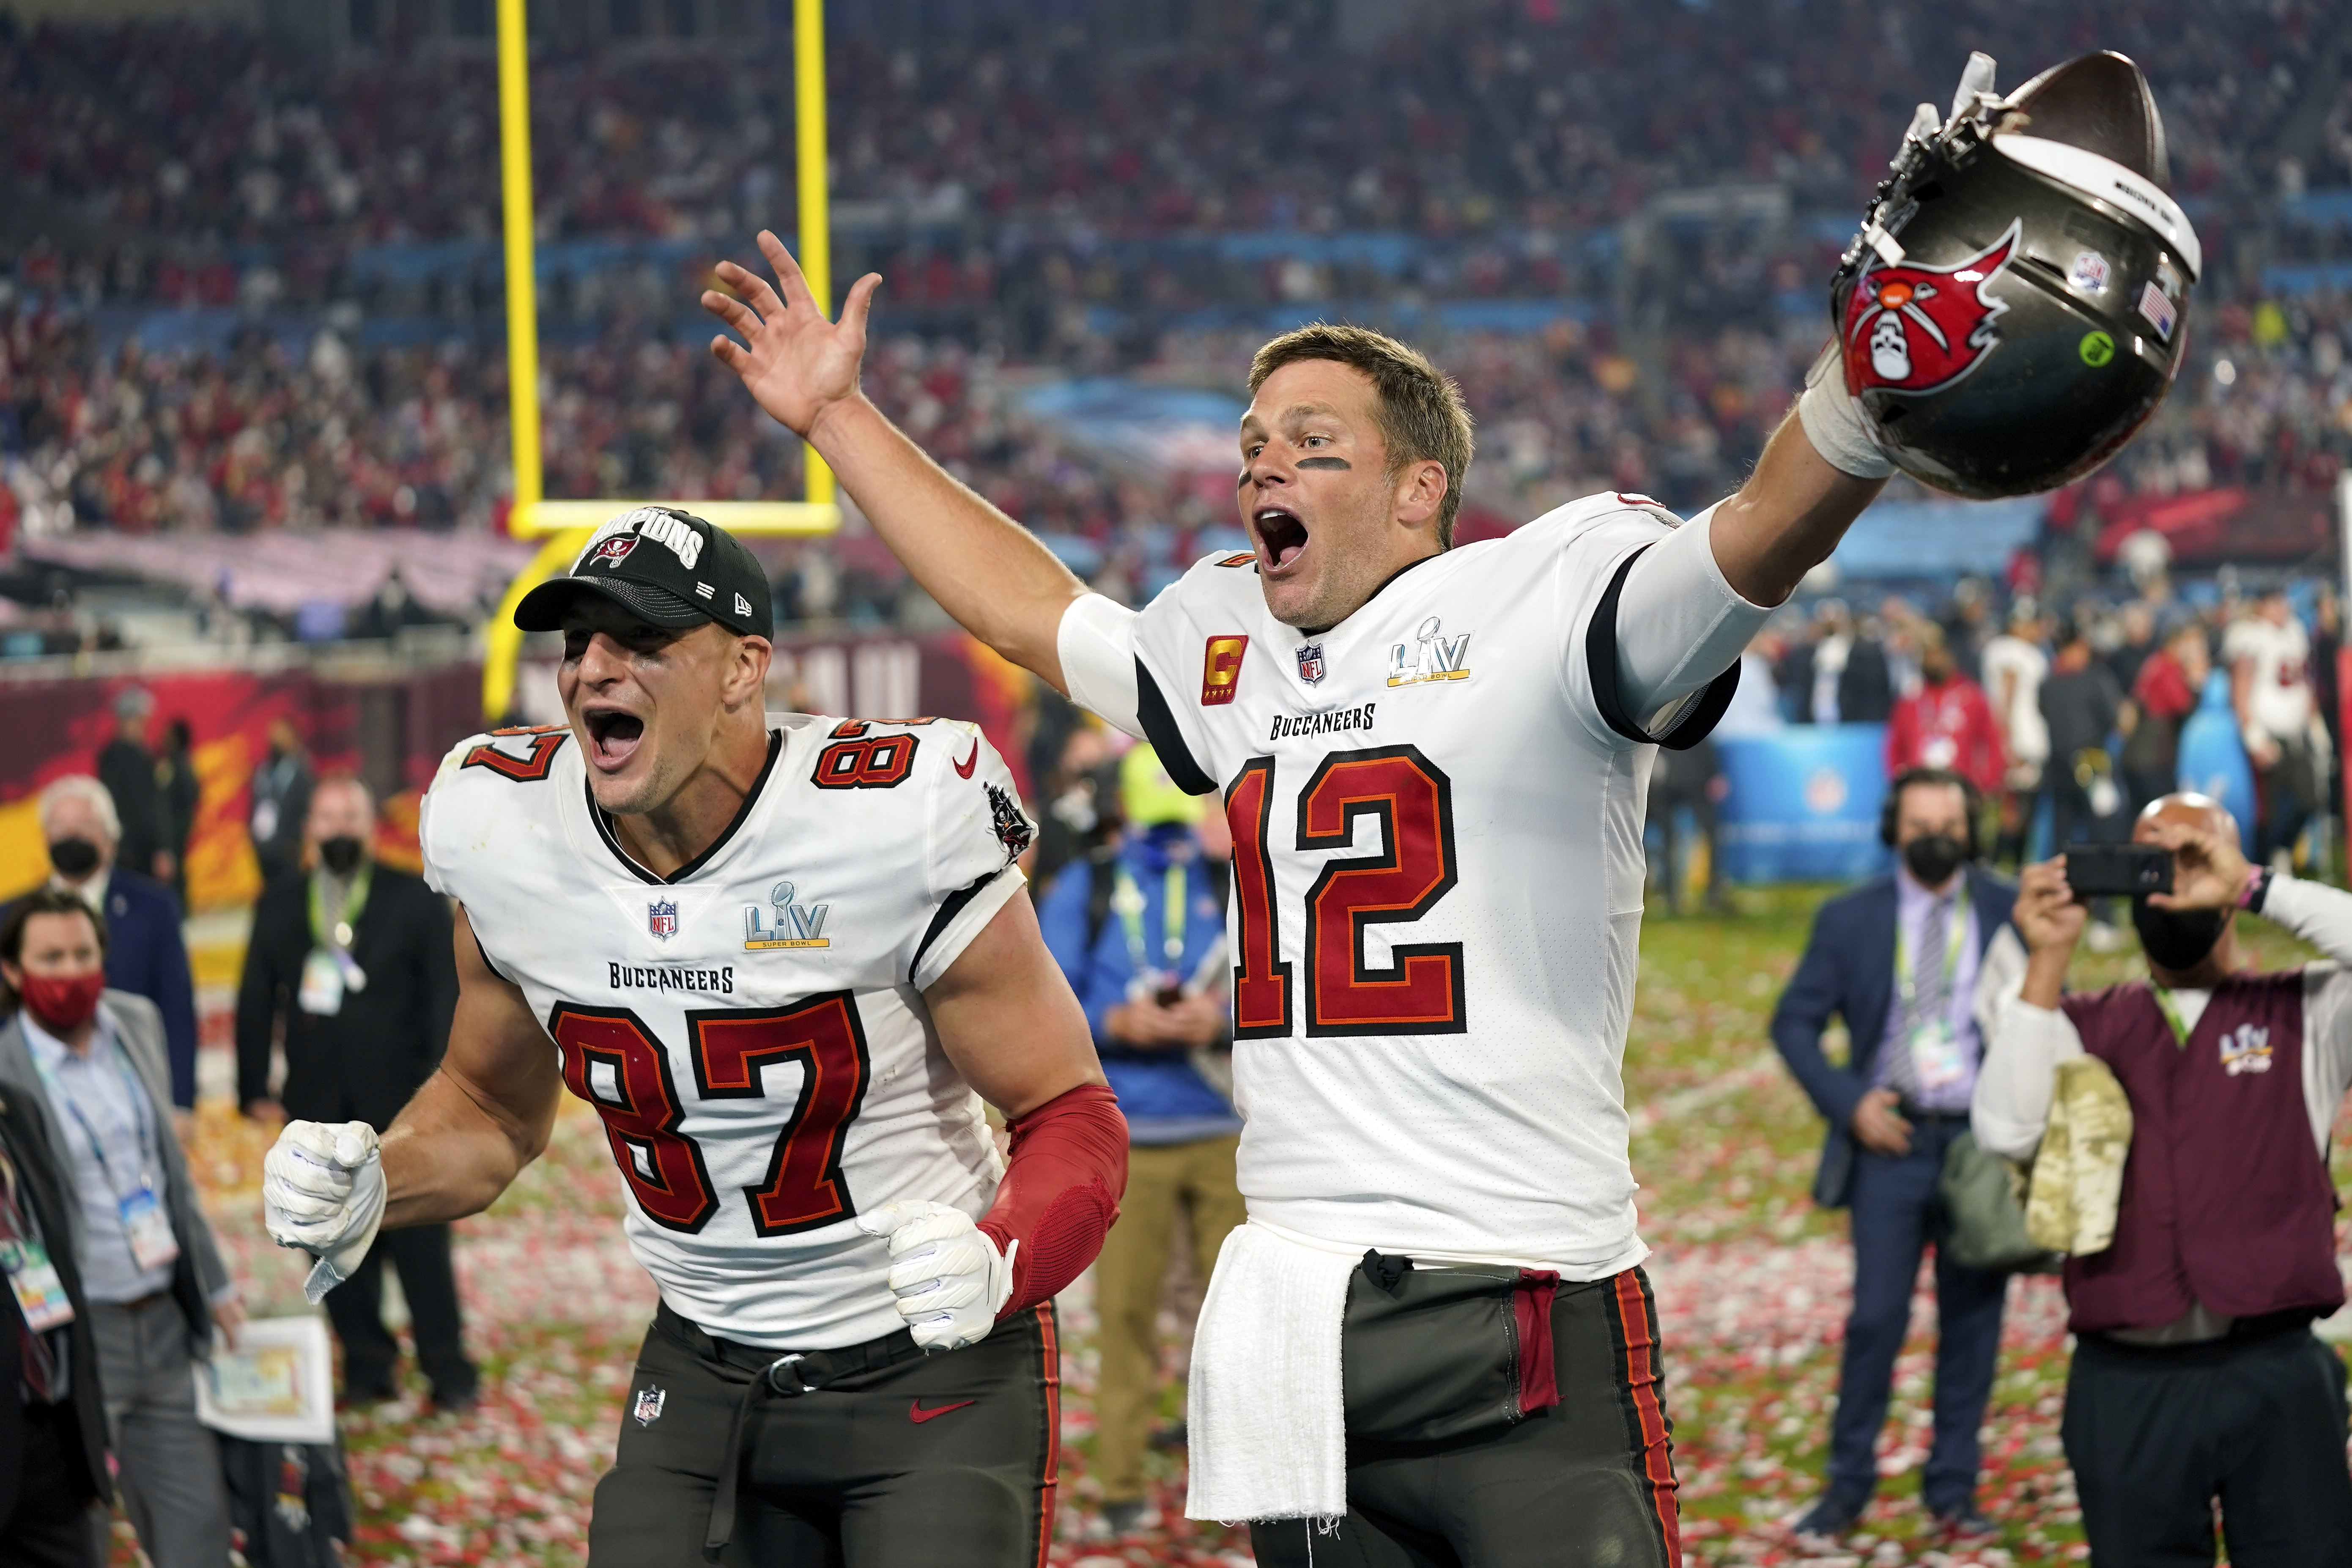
(1919, 328)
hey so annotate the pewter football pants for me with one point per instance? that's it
(940, 1461)
(1590, 1481)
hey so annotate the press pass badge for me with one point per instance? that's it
(147, 1227)
(1936, 1056)
(40, 1294)
(321, 992)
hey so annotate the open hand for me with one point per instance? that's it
(1879, 1126)
(797, 364)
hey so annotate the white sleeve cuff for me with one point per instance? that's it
(1680, 623)
(967, 923)
(1097, 644)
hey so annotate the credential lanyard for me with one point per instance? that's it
(354, 901)
(97, 1145)
(1953, 942)
(1130, 904)
(2171, 1011)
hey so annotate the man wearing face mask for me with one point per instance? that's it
(353, 961)
(90, 1060)
(2196, 1377)
(146, 953)
(1897, 960)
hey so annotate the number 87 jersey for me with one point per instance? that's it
(751, 1029)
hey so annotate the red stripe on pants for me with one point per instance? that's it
(1641, 1375)
(1052, 1372)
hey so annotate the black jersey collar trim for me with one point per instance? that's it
(751, 799)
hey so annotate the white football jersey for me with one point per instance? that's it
(752, 1029)
(1437, 884)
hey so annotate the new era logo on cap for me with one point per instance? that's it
(665, 566)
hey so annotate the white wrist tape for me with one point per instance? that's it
(1834, 425)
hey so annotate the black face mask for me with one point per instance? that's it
(73, 856)
(1933, 857)
(2177, 939)
(341, 855)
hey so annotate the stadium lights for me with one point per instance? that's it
(564, 525)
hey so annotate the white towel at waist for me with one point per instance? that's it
(1265, 1405)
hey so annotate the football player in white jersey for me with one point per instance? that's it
(1435, 764)
(785, 960)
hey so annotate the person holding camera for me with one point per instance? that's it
(1897, 958)
(2196, 1377)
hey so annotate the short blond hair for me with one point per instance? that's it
(1420, 413)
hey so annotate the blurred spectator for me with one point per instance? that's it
(2136, 639)
(1840, 676)
(147, 953)
(354, 964)
(2083, 706)
(2170, 681)
(1141, 936)
(1691, 781)
(1897, 960)
(1946, 723)
(1081, 818)
(178, 791)
(54, 1484)
(127, 768)
(2014, 668)
(2268, 656)
(93, 1060)
(1969, 625)
(281, 803)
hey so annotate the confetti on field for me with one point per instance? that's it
(1751, 1283)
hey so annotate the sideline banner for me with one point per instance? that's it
(1803, 804)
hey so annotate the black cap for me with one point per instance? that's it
(667, 567)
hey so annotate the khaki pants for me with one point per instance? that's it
(1129, 1280)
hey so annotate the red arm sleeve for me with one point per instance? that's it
(1060, 1192)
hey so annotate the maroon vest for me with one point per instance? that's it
(2225, 1196)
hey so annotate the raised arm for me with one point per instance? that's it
(487, 1111)
(987, 572)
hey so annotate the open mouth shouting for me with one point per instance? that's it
(613, 736)
(1281, 536)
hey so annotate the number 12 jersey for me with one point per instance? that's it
(1437, 810)
(751, 1029)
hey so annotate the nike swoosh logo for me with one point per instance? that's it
(964, 769)
(918, 1415)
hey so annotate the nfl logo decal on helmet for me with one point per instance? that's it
(661, 919)
(1310, 662)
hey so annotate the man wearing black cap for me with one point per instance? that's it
(784, 960)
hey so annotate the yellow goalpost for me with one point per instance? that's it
(563, 526)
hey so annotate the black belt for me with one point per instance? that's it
(772, 1375)
(1912, 1114)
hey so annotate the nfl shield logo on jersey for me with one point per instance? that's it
(1310, 662)
(662, 919)
(649, 1406)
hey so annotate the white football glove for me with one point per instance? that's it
(946, 1272)
(323, 1191)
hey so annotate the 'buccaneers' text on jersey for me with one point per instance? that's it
(751, 1029)
(1437, 810)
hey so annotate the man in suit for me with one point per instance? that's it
(127, 768)
(353, 961)
(53, 1435)
(146, 953)
(1897, 960)
(91, 1061)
